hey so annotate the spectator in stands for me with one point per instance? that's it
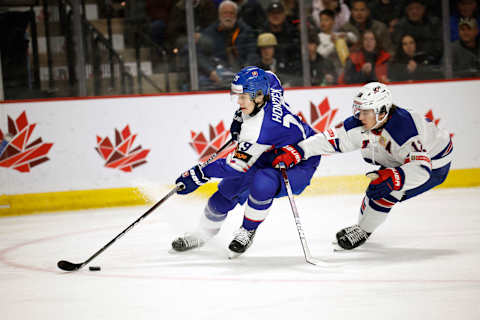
(288, 36)
(342, 12)
(370, 63)
(252, 13)
(426, 29)
(408, 64)
(466, 50)
(327, 47)
(292, 11)
(224, 48)
(361, 21)
(323, 71)
(266, 43)
(386, 11)
(205, 13)
(158, 12)
(463, 9)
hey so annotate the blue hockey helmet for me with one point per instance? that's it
(251, 80)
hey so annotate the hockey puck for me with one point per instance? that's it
(94, 268)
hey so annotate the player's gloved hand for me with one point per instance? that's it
(191, 180)
(236, 125)
(290, 155)
(384, 182)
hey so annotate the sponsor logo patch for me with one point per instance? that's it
(242, 156)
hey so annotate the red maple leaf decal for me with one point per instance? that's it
(429, 116)
(205, 148)
(321, 116)
(19, 154)
(121, 156)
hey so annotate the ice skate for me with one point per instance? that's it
(351, 237)
(189, 241)
(241, 242)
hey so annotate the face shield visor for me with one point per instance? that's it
(356, 108)
(238, 97)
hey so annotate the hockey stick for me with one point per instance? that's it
(296, 216)
(70, 266)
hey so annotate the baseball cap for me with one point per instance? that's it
(275, 7)
(468, 21)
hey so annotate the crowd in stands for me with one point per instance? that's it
(349, 42)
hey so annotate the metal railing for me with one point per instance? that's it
(101, 61)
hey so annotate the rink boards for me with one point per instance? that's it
(87, 153)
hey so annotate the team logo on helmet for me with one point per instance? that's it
(255, 73)
(376, 89)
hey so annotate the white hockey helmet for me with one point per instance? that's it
(373, 96)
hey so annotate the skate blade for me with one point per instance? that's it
(337, 248)
(232, 255)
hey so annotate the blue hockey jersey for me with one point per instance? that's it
(274, 126)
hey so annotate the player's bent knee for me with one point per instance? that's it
(266, 184)
(220, 204)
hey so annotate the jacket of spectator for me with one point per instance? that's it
(232, 48)
(342, 12)
(252, 13)
(466, 50)
(466, 61)
(408, 64)
(353, 69)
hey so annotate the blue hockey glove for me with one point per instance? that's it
(191, 179)
(236, 125)
(385, 181)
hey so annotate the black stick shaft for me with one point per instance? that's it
(68, 266)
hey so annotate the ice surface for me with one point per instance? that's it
(423, 263)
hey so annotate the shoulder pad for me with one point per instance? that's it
(401, 126)
(351, 123)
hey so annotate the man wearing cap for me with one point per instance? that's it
(288, 37)
(466, 50)
(224, 48)
(426, 29)
(463, 9)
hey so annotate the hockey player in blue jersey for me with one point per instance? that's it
(246, 173)
(414, 156)
(276, 93)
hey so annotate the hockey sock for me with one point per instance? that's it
(255, 212)
(215, 213)
(263, 188)
(374, 212)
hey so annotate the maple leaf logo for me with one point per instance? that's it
(321, 116)
(205, 148)
(430, 117)
(19, 154)
(121, 156)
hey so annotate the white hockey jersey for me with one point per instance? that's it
(407, 140)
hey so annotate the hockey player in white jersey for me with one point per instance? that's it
(414, 156)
